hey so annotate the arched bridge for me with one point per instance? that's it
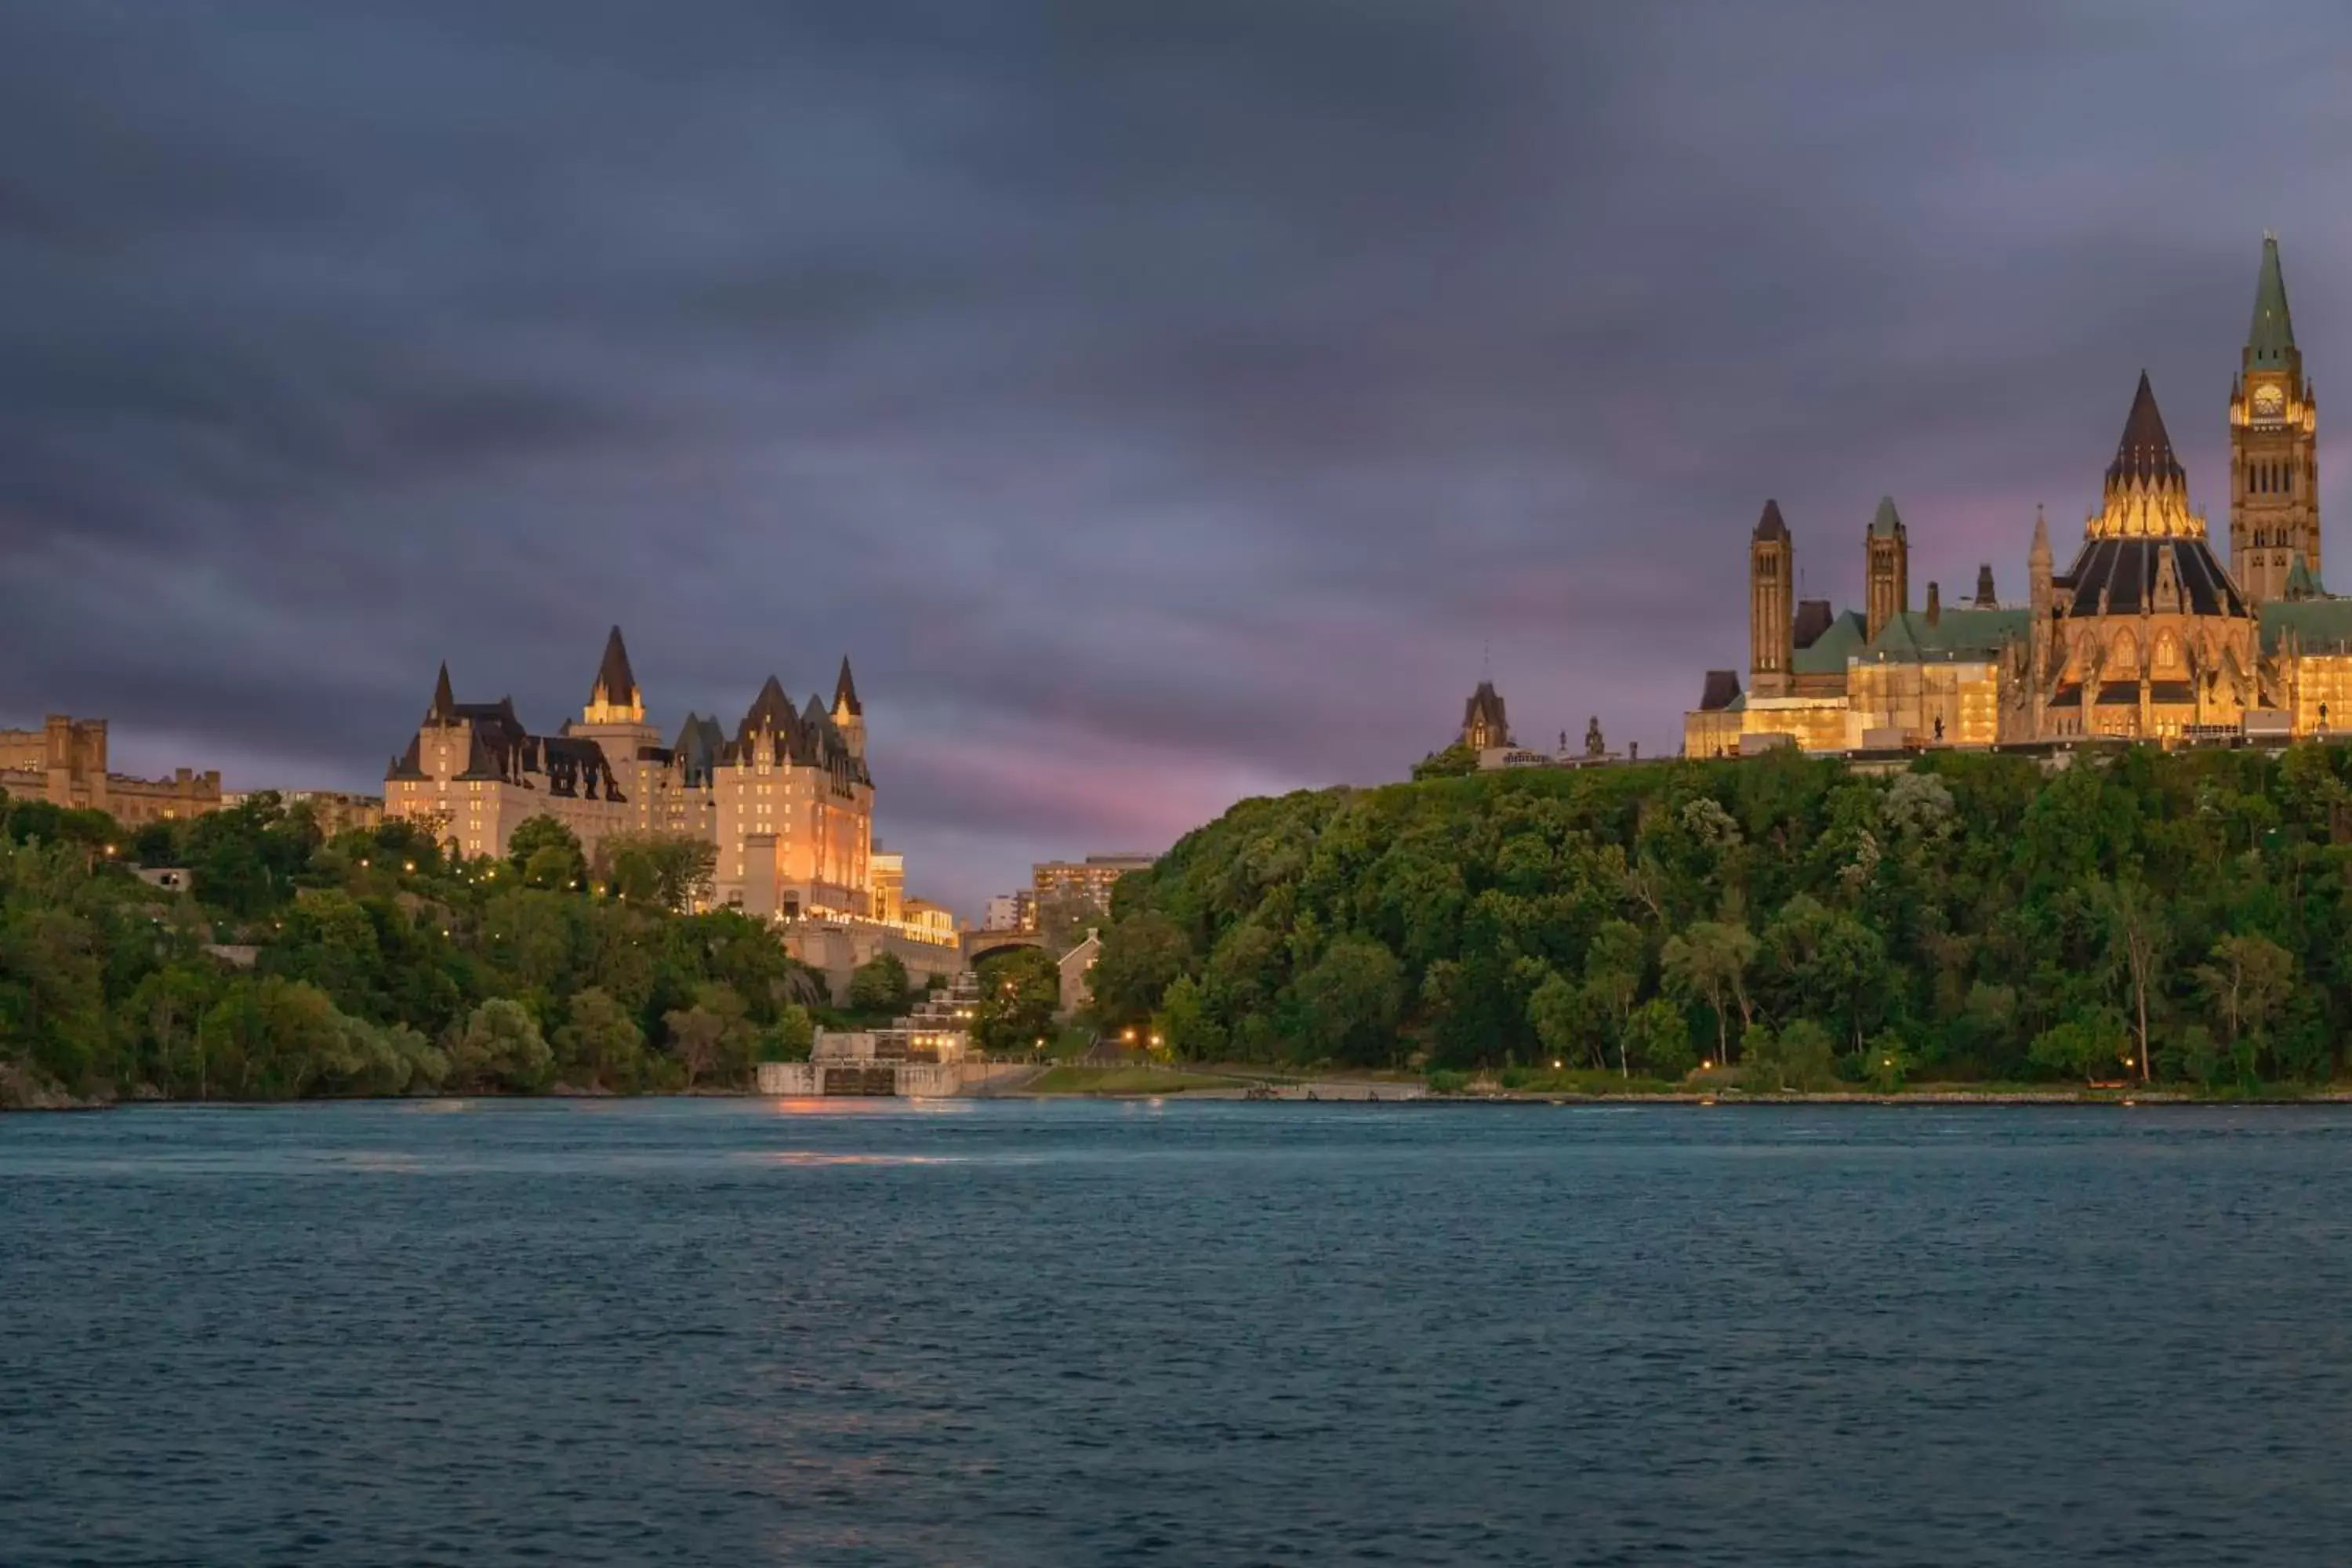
(985, 944)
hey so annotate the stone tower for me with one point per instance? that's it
(615, 716)
(1484, 726)
(1886, 573)
(848, 713)
(2274, 448)
(2042, 655)
(1771, 603)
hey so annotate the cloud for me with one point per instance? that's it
(1158, 403)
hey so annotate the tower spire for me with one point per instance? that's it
(2271, 338)
(845, 694)
(445, 703)
(2146, 494)
(617, 683)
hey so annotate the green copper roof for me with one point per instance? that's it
(2300, 582)
(2318, 623)
(1957, 633)
(2273, 333)
(1828, 652)
(1885, 525)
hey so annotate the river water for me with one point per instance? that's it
(1002, 1332)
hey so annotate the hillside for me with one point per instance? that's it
(286, 965)
(1975, 918)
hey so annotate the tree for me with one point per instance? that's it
(500, 1048)
(2137, 937)
(1886, 1062)
(1141, 958)
(599, 1044)
(713, 1039)
(789, 1037)
(879, 985)
(1065, 919)
(2084, 1046)
(1351, 998)
(1183, 1024)
(1802, 1055)
(1561, 1014)
(668, 870)
(547, 854)
(1456, 760)
(2247, 981)
(1613, 966)
(1658, 1036)
(1709, 964)
(1020, 991)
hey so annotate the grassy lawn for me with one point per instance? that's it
(1123, 1080)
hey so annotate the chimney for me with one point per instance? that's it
(1935, 605)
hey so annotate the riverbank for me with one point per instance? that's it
(1066, 1082)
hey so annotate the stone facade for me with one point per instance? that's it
(2146, 635)
(63, 764)
(787, 801)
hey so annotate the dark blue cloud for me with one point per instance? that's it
(1157, 402)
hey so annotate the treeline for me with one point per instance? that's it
(292, 964)
(2183, 916)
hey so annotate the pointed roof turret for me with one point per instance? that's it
(1986, 598)
(445, 703)
(2039, 553)
(844, 692)
(1886, 524)
(771, 710)
(1770, 525)
(616, 684)
(2144, 453)
(2271, 338)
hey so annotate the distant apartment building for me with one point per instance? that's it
(1011, 911)
(1090, 880)
(787, 801)
(64, 763)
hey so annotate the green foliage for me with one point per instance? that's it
(547, 854)
(1141, 956)
(879, 985)
(790, 1038)
(381, 967)
(1455, 762)
(2092, 1047)
(664, 870)
(1967, 908)
(1184, 1025)
(501, 1050)
(1019, 990)
(1351, 998)
(1657, 1039)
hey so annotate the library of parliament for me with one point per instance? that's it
(2146, 634)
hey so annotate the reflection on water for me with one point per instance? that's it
(753, 1331)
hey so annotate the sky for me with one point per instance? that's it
(1160, 404)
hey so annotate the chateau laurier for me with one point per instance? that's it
(2146, 634)
(787, 801)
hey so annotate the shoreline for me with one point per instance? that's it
(1405, 1094)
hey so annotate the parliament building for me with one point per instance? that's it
(2146, 634)
(786, 799)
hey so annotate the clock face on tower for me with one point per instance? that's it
(2270, 402)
